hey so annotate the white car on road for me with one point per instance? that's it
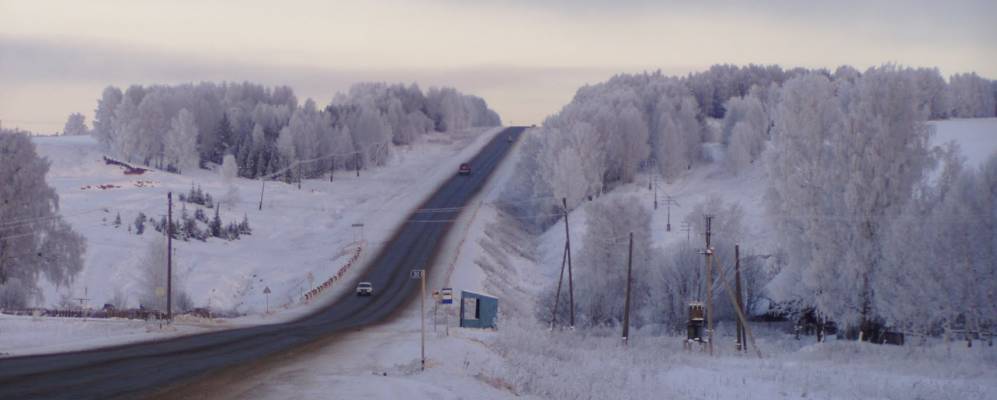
(365, 289)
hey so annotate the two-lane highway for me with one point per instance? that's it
(144, 368)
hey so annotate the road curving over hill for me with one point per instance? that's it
(149, 368)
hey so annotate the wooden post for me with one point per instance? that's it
(741, 344)
(709, 286)
(571, 282)
(169, 256)
(626, 303)
(422, 303)
(557, 294)
(263, 184)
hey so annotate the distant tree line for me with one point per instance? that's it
(181, 127)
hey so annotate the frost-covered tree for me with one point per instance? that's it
(152, 279)
(229, 173)
(836, 179)
(601, 263)
(371, 137)
(745, 131)
(75, 125)
(970, 96)
(181, 142)
(34, 239)
(941, 262)
(103, 128)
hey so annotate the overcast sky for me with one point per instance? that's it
(526, 58)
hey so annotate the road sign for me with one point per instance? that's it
(416, 273)
(446, 296)
(160, 292)
(266, 290)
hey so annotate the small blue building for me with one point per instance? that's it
(477, 310)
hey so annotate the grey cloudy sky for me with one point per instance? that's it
(526, 58)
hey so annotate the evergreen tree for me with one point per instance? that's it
(216, 225)
(223, 140)
(117, 220)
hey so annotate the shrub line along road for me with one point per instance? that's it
(141, 369)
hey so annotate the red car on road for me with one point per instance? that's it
(465, 169)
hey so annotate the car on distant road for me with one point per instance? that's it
(365, 289)
(465, 169)
(509, 138)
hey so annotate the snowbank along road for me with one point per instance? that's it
(153, 367)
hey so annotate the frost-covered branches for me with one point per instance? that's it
(34, 239)
(144, 124)
(839, 172)
(75, 125)
(971, 96)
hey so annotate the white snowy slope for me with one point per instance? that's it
(522, 360)
(298, 232)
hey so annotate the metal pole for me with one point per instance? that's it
(626, 304)
(169, 256)
(571, 282)
(423, 319)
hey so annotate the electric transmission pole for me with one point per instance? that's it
(169, 256)
(626, 303)
(709, 285)
(669, 200)
(567, 249)
(741, 343)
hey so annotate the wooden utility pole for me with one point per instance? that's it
(656, 194)
(299, 176)
(422, 302)
(356, 160)
(567, 249)
(263, 184)
(669, 200)
(626, 303)
(741, 343)
(557, 294)
(709, 286)
(332, 169)
(169, 256)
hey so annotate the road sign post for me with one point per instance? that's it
(420, 274)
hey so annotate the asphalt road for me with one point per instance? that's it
(142, 369)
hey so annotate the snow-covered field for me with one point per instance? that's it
(298, 233)
(526, 360)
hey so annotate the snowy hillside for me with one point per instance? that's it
(298, 232)
(522, 358)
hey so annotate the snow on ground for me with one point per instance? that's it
(524, 359)
(383, 361)
(521, 359)
(298, 232)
